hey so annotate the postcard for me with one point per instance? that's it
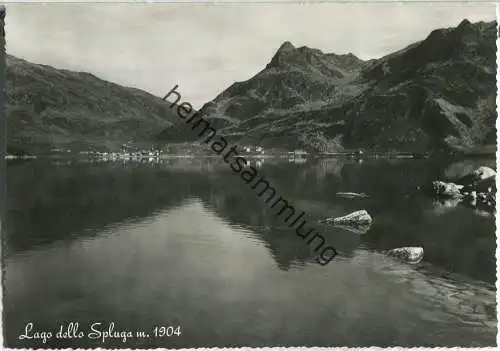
(266, 174)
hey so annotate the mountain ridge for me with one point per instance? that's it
(434, 95)
(437, 94)
(49, 108)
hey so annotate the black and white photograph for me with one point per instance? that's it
(262, 174)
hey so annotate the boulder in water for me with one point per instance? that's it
(484, 172)
(476, 176)
(479, 186)
(360, 217)
(482, 191)
(444, 189)
(408, 254)
(358, 222)
(349, 195)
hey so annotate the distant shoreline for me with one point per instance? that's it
(353, 156)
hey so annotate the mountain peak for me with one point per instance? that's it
(330, 101)
(285, 51)
(286, 46)
(465, 23)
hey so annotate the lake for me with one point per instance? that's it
(185, 242)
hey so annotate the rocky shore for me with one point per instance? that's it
(476, 189)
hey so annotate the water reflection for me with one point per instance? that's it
(185, 241)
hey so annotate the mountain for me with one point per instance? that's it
(434, 95)
(50, 108)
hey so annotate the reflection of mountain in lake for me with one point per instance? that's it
(79, 198)
(169, 268)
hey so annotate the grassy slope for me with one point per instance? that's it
(51, 108)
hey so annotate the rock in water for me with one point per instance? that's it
(358, 222)
(477, 175)
(447, 189)
(360, 217)
(480, 188)
(409, 254)
(349, 195)
(484, 172)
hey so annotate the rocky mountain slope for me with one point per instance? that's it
(434, 95)
(51, 108)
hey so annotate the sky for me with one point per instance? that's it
(204, 48)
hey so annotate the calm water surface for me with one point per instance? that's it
(187, 243)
